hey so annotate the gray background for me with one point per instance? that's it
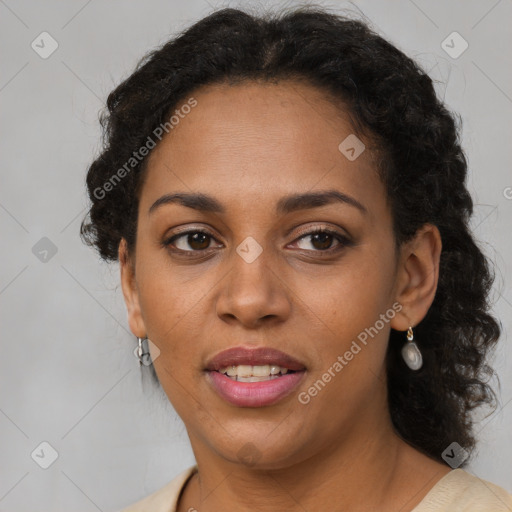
(68, 375)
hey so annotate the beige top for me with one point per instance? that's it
(457, 491)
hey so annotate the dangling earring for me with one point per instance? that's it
(144, 357)
(411, 353)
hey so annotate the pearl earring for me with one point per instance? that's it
(411, 353)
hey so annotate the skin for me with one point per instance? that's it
(248, 145)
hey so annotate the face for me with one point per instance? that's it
(246, 270)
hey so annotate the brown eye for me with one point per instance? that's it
(322, 240)
(190, 241)
(198, 241)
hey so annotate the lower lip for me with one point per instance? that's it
(254, 394)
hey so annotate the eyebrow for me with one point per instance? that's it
(287, 204)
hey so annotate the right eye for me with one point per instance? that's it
(196, 240)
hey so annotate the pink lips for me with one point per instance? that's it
(254, 394)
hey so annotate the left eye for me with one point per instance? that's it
(322, 240)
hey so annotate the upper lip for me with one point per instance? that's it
(254, 357)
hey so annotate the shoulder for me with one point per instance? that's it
(166, 498)
(461, 491)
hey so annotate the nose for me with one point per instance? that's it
(253, 293)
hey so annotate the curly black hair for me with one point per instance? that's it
(392, 101)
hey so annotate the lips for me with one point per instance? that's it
(254, 357)
(287, 372)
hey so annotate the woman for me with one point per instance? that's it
(286, 197)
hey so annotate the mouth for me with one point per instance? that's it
(256, 377)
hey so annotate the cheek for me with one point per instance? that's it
(353, 296)
(350, 305)
(349, 343)
(170, 306)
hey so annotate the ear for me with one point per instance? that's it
(417, 277)
(130, 292)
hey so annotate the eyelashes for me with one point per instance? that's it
(321, 234)
(170, 242)
(198, 241)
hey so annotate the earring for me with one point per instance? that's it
(143, 356)
(411, 353)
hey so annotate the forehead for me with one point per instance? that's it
(253, 141)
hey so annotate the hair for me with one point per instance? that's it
(389, 99)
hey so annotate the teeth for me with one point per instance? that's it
(244, 370)
(248, 373)
(261, 371)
